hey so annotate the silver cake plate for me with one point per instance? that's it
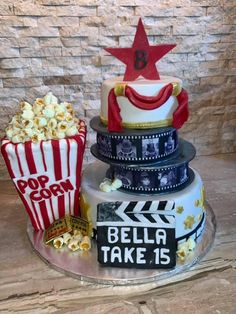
(84, 265)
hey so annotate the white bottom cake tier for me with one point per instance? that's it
(188, 208)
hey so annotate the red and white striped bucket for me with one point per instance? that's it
(47, 176)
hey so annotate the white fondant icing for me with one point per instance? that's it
(131, 114)
(94, 174)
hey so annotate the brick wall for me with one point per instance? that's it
(58, 45)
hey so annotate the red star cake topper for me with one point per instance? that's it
(141, 58)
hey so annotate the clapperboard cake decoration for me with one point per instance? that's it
(136, 234)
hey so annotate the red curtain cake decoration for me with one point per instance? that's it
(181, 113)
(114, 117)
(145, 103)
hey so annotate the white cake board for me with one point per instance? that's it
(84, 265)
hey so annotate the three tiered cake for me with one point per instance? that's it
(158, 210)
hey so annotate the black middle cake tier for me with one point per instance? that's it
(165, 176)
(135, 146)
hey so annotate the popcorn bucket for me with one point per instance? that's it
(47, 176)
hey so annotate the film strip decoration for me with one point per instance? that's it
(151, 180)
(136, 234)
(139, 146)
(173, 174)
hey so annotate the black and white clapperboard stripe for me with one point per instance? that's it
(141, 221)
(147, 212)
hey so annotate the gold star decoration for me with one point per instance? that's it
(201, 201)
(189, 222)
(85, 211)
(179, 209)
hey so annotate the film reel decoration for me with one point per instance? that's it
(139, 146)
(173, 174)
(152, 179)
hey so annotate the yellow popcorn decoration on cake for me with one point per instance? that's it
(62, 126)
(69, 118)
(37, 137)
(71, 131)
(79, 242)
(27, 114)
(46, 119)
(77, 234)
(67, 237)
(116, 184)
(60, 116)
(59, 135)
(66, 231)
(52, 123)
(108, 185)
(24, 105)
(185, 248)
(105, 187)
(39, 122)
(179, 209)
(29, 124)
(58, 242)
(85, 244)
(74, 244)
(189, 222)
(9, 132)
(182, 251)
(17, 138)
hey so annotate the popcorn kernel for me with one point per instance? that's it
(58, 243)
(85, 244)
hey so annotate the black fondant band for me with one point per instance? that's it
(139, 146)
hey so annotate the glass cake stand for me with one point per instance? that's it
(84, 265)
